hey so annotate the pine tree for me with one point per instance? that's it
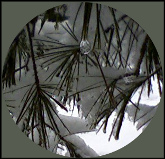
(90, 71)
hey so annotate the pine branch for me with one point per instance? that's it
(122, 112)
(87, 14)
(111, 97)
(33, 59)
(142, 53)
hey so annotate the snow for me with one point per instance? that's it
(99, 142)
(154, 97)
(74, 124)
(81, 147)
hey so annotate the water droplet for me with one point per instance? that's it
(85, 47)
(102, 58)
(129, 79)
